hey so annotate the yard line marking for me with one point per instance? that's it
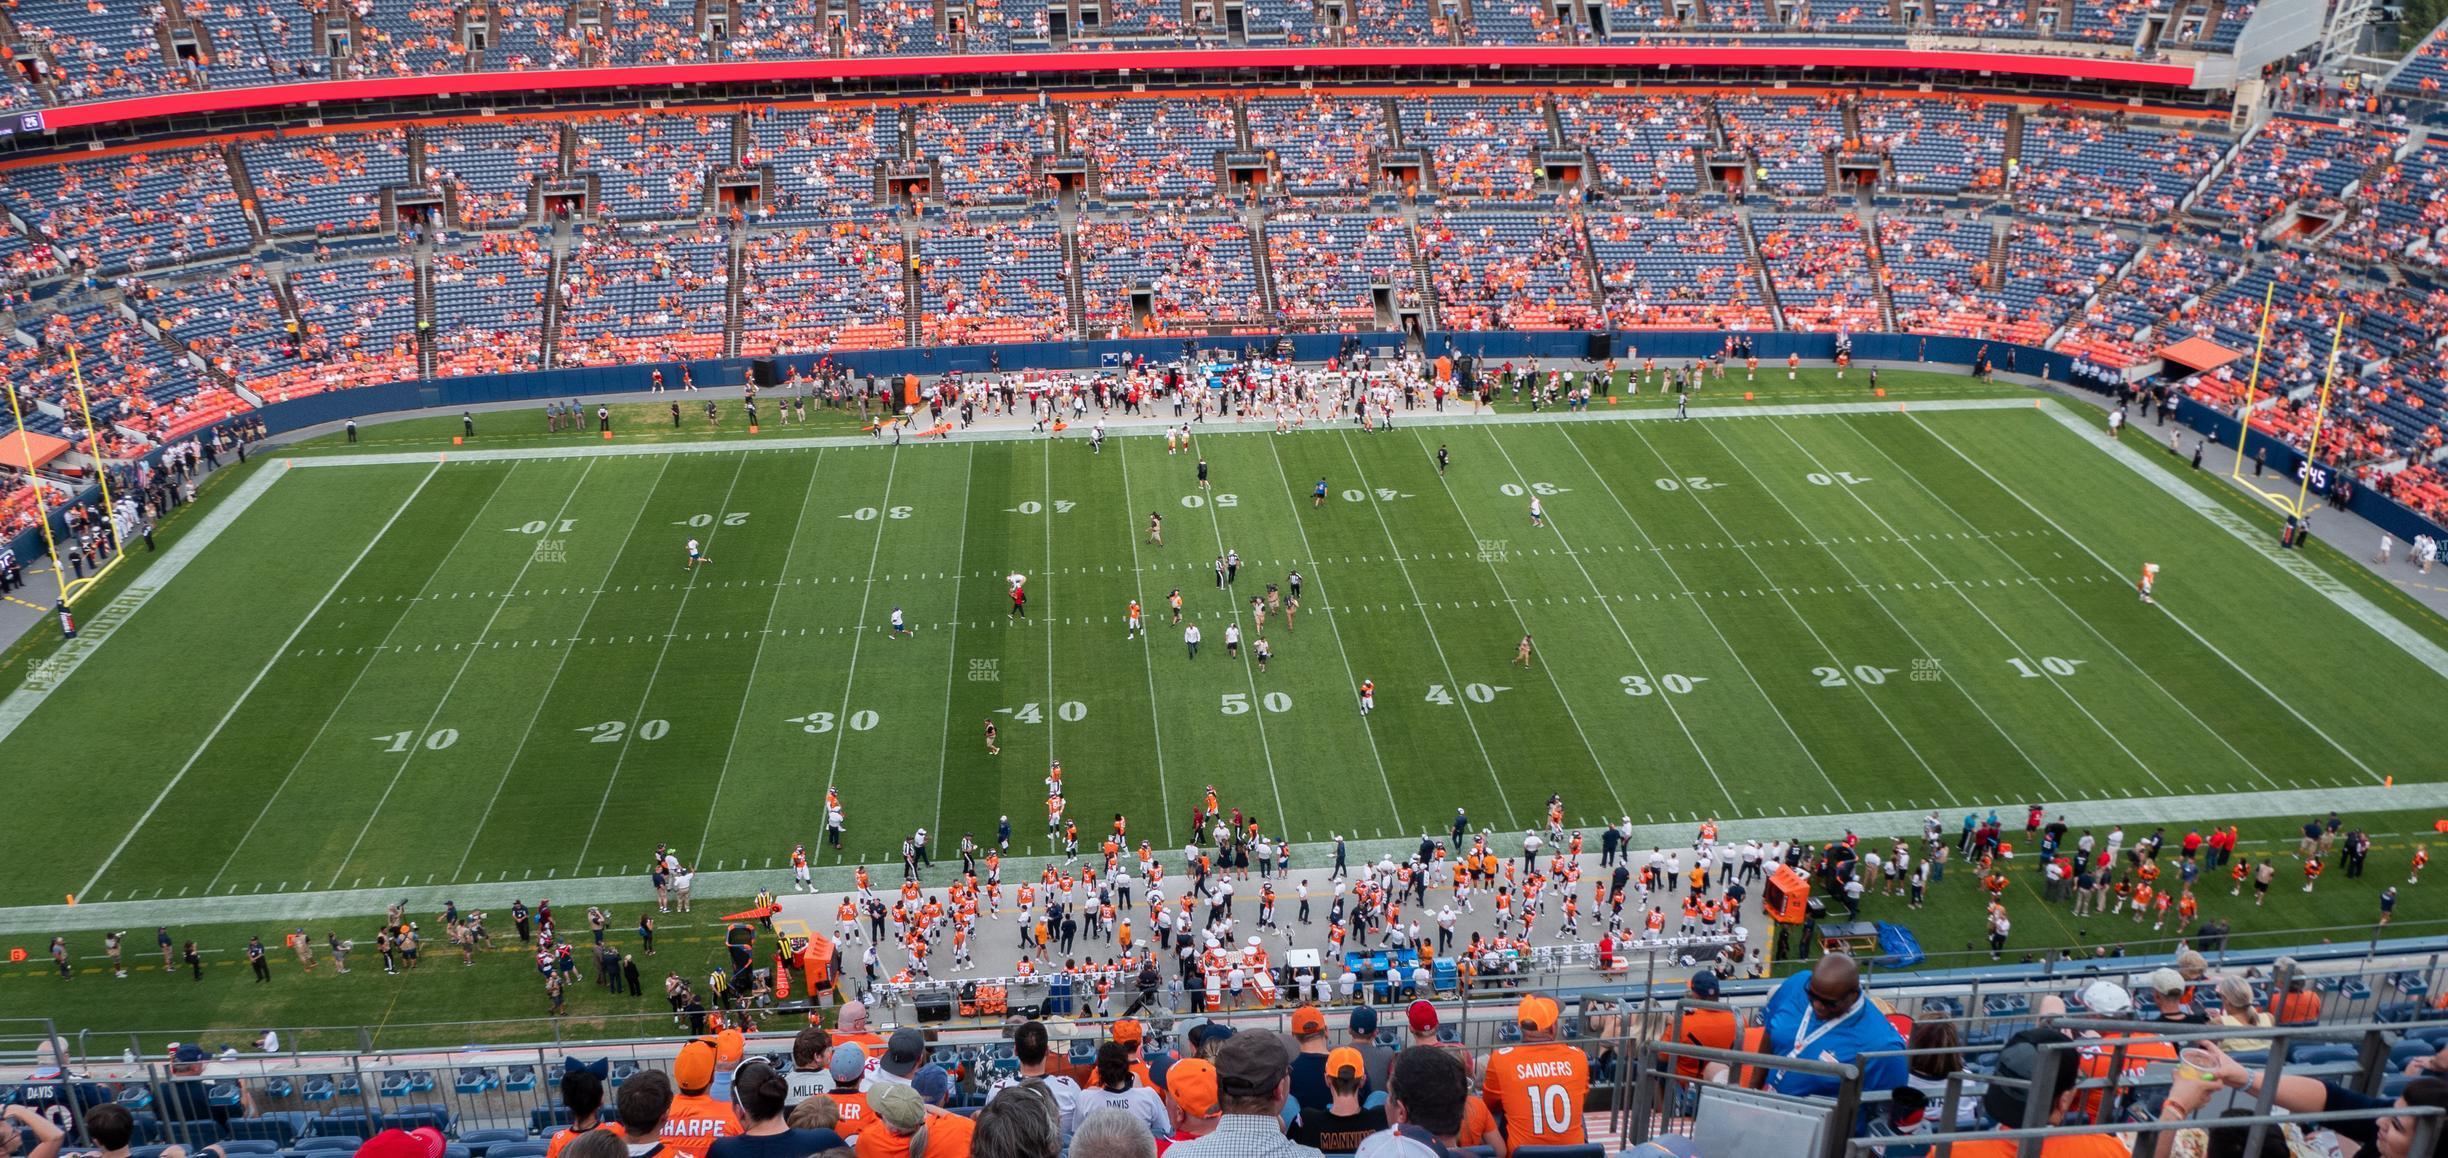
(46, 675)
(1705, 617)
(1055, 717)
(1893, 618)
(757, 659)
(559, 665)
(339, 704)
(1796, 612)
(1257, 710)
(655, 673)
(2172, 616)
(1147, 649)
(1387, 529)
(260, 673)
(850, 674)
(1637, 657)
(1854, 493)
(952, 659)
(1351, 678)
(2078, 617)
(1553, 684)
(2429, 654)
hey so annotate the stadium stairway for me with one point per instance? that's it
(1759, 268)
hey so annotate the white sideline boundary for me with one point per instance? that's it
(1146, 430)
(2425, 652)
(579, 891)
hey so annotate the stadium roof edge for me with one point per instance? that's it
(1081, 64)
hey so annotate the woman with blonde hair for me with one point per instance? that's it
(2236, 1008)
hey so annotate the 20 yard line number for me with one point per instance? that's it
(613, 731)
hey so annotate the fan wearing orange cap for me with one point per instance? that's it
(1536, 1089)
(1341, 1127)
(1192, 1100)
(696, 1117)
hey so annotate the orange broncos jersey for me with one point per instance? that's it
(1539, 1089)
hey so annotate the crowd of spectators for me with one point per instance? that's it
(1669, 272)
(654, 166)
(1515, 271)
(1328, 267)
(986, 152)
(326, 184)
(1195, 271)
(1146, 147)
(2292, 161)
(489, 304)
(1482, 146)
(1821, 269)
(1319, 143)
(832, 285)
(642, 296)
(2097, 169)
(991, 278)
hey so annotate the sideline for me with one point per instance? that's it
(571, 892)
(1153, 427)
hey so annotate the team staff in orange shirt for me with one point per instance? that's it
(1536, 1089)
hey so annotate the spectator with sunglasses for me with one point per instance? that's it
(1825, 1016)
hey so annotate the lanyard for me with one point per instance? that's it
(1807, 1037)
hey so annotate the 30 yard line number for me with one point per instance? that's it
(817, 723)
(1514, 490)
(1675, 683)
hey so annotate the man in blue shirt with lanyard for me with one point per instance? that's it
(1825, 1016)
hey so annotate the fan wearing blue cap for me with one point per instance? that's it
(1375, 1059)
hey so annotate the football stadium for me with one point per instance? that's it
(1047, 578)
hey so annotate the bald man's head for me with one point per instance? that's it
(1835, 984)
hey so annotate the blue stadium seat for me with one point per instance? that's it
(326, 1143)
(479, 1143)
(275, 1133)
(248, 1145)
(529, 1149)
(519, 1079)
(546, 1119)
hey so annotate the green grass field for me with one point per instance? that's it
(497, 675)
(500, 671)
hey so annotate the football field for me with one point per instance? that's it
(392, 670)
